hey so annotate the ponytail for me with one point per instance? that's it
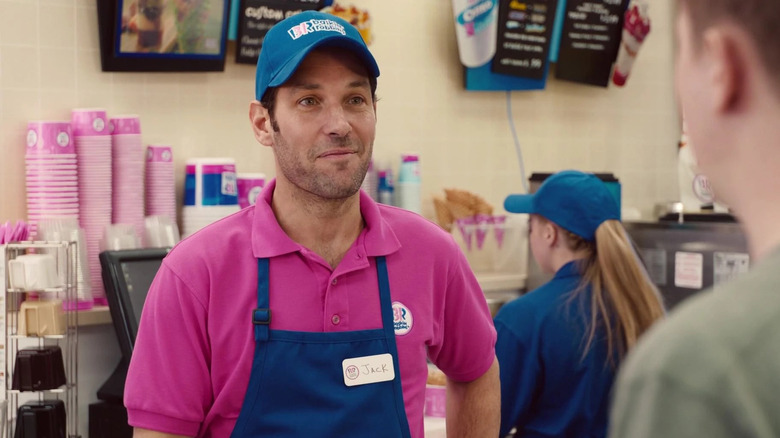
(623, 298)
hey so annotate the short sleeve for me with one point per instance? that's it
(173, 326)
(467, 347)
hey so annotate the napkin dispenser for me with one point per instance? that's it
(41, 419)
(38, 369)
(33, 272)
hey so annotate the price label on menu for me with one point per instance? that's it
(523, 39)
(255, 17)
(590, 40)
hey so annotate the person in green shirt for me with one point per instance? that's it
(712, 369)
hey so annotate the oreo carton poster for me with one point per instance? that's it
(257, 16)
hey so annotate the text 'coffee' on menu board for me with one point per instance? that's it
(255, 17)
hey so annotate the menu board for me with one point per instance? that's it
(590, 40)
(523, 39)
(255, 17)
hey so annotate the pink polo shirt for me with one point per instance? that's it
(193, 355)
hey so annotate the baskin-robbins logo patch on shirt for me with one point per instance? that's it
(315, 25)
(402, 319)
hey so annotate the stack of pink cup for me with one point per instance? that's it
(249, 187)
(127, 173)
(93, 148)
(160, 184)
(51, 173)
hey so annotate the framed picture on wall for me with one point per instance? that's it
(163, 35)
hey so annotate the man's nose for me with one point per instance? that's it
(336, 122)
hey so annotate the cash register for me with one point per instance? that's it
(127, 275)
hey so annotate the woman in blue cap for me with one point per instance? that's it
(560, 344)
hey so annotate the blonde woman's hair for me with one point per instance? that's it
(623, 298)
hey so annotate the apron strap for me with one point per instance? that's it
(261, 317)
(385, 301)
(389, 328)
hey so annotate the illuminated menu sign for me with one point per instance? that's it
(523, 40)
(255, 17)
(590, 40)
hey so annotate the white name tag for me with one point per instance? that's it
(368, 369)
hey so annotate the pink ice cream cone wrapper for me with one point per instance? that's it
(482, 228)
(498, 229)
(465, 225)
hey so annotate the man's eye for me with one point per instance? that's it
(356, 100)
(307, 101)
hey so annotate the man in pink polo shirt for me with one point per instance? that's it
(312, 313)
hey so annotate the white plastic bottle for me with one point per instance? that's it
(371, 182)
(409, 182)
(475, 28)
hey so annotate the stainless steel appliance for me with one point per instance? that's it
(685, 258)
(682, 259)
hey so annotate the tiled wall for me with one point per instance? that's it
(49, 64)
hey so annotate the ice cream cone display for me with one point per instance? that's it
(460, 211)
(459, 204)
(473, 202)
(480, 233)
(443, 215)
(361, 19)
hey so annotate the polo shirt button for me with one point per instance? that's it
(335, 320)
(334, 281)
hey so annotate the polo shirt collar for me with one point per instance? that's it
(570, 269)
(380, 239)
(269, 240)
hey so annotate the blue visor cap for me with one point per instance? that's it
(289, 41)
(576, 201)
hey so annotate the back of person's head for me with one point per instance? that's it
(289, 41)
(758, 18)
(623, 301)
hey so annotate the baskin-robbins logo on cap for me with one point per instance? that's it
(402, 319)
(315, 25)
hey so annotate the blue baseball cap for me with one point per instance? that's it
(289, 41)
(576, 201)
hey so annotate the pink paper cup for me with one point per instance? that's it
(249, 187)
(89, 122)
(159, 154)
(49, 138)
(123, 125)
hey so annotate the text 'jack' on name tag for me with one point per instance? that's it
(368, 369)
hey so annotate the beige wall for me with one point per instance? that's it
(49, 64)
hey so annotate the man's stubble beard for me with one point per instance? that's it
(311, 181)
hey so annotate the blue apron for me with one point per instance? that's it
(297, 387)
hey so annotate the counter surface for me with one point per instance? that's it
(490, 282)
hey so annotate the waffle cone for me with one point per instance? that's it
(443, 214)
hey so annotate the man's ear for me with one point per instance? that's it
(725, 72)
(261, 123)
(550, 234)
